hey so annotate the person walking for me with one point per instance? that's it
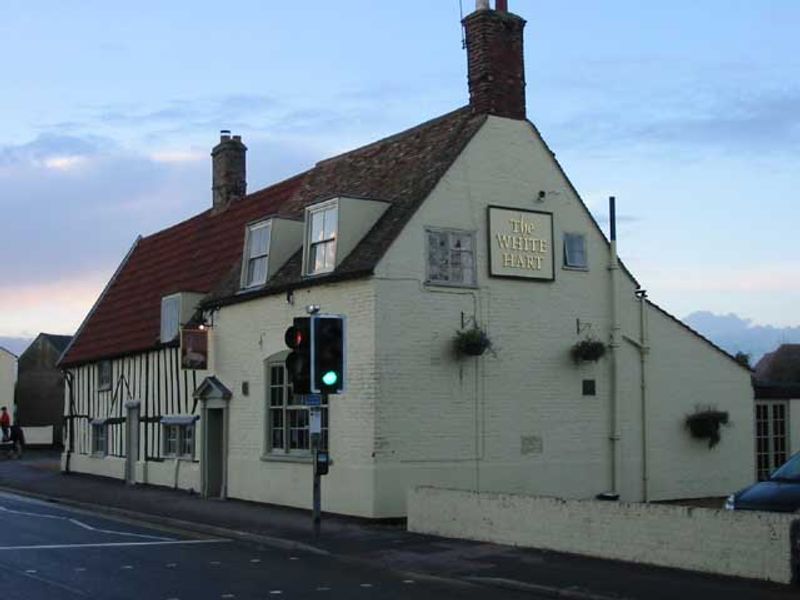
(5, 423)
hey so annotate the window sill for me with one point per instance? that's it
(318, 274)
(463, 286)
(288, 458)
(580, 269)
(189, 459)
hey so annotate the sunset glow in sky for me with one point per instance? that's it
(686, 111)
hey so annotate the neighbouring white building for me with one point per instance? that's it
(464, 221)
(8, 379)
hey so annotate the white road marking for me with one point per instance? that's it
(366, 585)
(228, 596)
(80, 569)
(81, 524)
(171, 565)
(127, 567)
(112, 545)
(408, 581)
(294, 558)
(323, 589)
(216, 563)
(276, 592)
(255, 560)
(31, 574)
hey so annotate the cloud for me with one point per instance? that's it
(53, 150)
(15, 345)
(54, 306)
(738, 334)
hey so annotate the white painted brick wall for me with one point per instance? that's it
(247, 334)
(460, 423)
(743, 544)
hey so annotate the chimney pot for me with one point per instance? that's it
(502, 5)
(482, 5)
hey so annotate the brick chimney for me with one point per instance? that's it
(495, 61)
(228, 171)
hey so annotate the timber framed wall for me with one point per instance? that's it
(155, 378)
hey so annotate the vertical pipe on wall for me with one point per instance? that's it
(613, 269)
(644, 348)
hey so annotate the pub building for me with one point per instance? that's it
(494, 341)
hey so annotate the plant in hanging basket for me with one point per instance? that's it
(588, 349)
(705, 424)
(472, 342)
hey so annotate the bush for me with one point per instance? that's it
(588, 349)
(472, 342)
(705, 424)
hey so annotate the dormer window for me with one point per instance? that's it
(170, 317)
(321, 229)
(256, 252)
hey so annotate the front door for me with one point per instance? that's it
(772, 440)
(214, 453)
(131, 440)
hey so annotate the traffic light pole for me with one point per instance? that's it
(316, 510)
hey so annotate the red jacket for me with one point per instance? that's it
(5, 420)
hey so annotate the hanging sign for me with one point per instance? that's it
(194, 349)
(521, 243)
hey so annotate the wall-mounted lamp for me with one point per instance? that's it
(541, 196)
(290, 297)
(312, 309)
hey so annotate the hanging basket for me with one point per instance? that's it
(705, 424)
(588, 350)
(472, 342)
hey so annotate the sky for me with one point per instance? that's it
(688, 112)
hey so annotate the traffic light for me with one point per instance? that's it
(299, 363)
(327, 373)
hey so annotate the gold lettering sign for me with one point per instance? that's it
(520, 243)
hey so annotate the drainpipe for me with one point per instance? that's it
(613, 269)
(644, 348)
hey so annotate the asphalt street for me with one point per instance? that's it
(51, 552)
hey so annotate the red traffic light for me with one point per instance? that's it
(293, 337)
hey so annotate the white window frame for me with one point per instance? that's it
(472, 271)
(170, 306)
(248, 259)
(329, 242)
(99, 438)
(105, 377)
(178, 437)
(570, 261)
(290, 436)
(773, 446)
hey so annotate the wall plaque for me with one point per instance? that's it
(521, 243)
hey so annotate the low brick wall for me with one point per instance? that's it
(745, 544)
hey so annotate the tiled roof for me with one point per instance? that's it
(203, 254)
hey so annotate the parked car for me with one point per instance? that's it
(779, 493)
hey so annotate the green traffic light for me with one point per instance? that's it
(330, 378)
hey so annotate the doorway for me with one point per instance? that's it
(214, 453)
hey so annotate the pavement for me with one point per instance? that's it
(385, 546)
